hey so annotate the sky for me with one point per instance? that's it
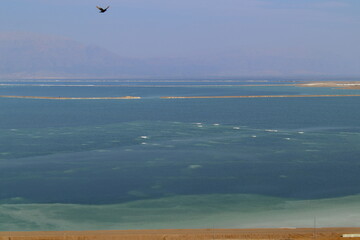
(196, 29)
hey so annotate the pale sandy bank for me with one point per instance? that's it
(67, 98)
(201, 234)
(336, 84)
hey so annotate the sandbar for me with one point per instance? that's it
(335, 84)
(188, 234)
(263, 96)
(68, 98)
(179, 97)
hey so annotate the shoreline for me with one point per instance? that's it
(179, 97)
(188, 234)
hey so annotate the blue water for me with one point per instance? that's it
(102, 152)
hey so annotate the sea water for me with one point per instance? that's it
(177, 163)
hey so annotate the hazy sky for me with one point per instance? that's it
(194, 28)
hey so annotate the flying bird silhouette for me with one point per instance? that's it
(102, 10)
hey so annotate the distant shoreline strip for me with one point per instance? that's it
(69, 98)
(176, 97)
(144, 86)
(264, 96)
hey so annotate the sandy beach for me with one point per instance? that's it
(201, 234)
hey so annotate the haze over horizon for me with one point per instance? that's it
(180, 38)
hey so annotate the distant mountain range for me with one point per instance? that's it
(27, 54)
(30, 55)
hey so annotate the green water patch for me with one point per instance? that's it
(178, 212)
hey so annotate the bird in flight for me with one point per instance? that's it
(102, 10)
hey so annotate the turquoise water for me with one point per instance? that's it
(177, 163)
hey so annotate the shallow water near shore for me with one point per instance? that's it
(184, 212)
(177, 163)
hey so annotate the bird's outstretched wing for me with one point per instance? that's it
(101, 9)
(107, 7)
